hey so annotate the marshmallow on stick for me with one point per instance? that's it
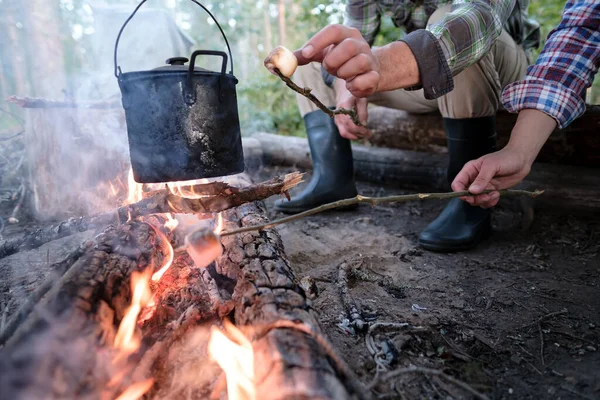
(204, 246)
(282, 59)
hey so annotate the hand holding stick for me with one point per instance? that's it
(283, 63)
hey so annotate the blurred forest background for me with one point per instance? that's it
(54, 48)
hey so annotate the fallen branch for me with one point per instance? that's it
(222, 197)
(374, 201)
(36, 102)
(428, 371)
(306, 92)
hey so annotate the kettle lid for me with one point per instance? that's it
(177, 64)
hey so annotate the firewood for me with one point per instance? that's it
(61, 349)
(252, 278)
(289, 363)
(221, 196)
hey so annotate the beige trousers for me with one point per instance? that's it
(476, 93)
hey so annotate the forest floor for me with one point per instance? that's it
(516, 318)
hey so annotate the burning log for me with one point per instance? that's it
(291, 357)
(64, 349)
(197, 199)
(280, 333)
(69, 346)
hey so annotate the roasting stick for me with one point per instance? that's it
(374, 201)
(283, 62)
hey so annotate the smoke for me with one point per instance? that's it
(79, 152)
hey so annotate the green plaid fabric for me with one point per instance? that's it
(465, 35)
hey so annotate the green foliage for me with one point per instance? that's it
(267, 105)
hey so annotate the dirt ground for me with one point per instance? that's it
(516, 318)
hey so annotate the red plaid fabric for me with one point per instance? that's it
(557, 82)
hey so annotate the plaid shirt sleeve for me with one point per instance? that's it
(469, 31)
(363, 15)
(460, 39)
(556, 84)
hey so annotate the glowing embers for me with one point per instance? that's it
(166, 245)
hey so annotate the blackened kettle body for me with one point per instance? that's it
(182, 121)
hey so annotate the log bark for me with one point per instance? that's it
(575, 188)
(578, 144)
(61, 349)
(288, 362)
(219, 196)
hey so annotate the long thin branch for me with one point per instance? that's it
(307, 92)
(223, 197)
(374, 201)
(428, 371)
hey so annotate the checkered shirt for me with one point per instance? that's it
(557, 82)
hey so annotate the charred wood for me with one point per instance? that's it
(220, 196)
(62, 350)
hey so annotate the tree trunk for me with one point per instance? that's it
(15, 44)
(46, 59)
(567, 187)
(281, 21)
(267, 22)
(576, 145)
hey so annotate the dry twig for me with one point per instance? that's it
(427, 371)
(306, 92)
(374, 201)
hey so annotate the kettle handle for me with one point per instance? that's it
(189, 92)
(118, 69)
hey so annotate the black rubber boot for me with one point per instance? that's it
(333, 168)
(462, 226)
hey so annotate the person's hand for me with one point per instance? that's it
(500, 170)
(345, 99)
(509, 166)
(344, 53)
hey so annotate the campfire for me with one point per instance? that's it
(159, 304)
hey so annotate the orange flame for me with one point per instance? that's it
(134, 189)
(186, 189)
(126, 338)
(219, 225)
(136, 390)
(236, 358)
(169, 259)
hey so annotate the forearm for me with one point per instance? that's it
(531, 131)
(397, 66)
